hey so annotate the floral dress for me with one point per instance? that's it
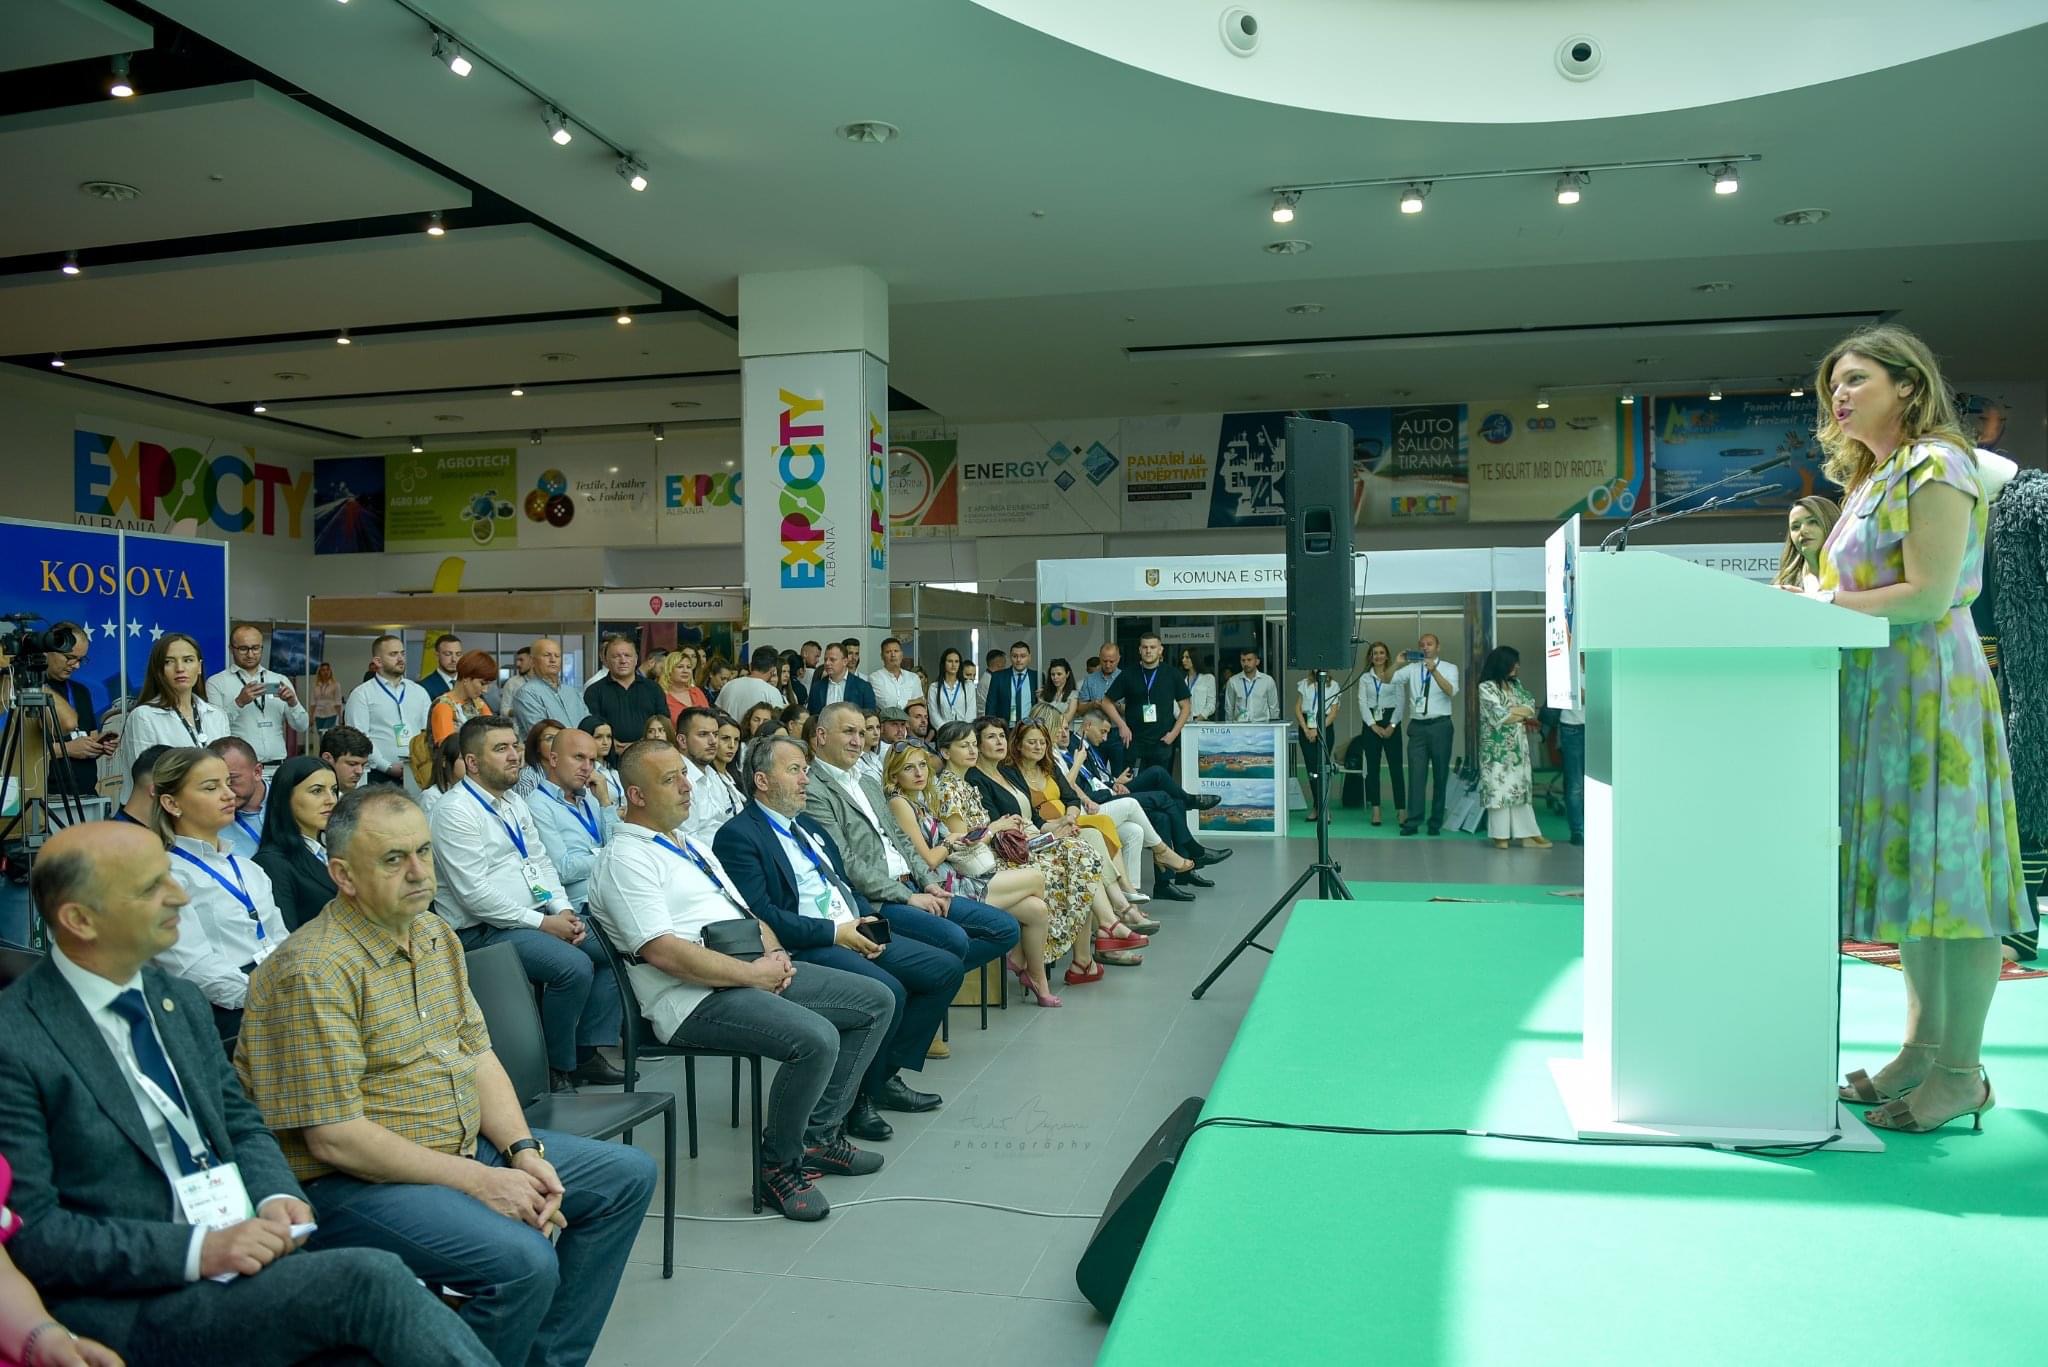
(1503, 745)
(1930, 833)
(1070, 870)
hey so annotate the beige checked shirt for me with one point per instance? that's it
(344, 1024)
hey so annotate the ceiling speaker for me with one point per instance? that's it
(1240, 30)
(1578, 58)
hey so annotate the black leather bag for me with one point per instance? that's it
(739, 938)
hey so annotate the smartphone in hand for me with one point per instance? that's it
(875, 928)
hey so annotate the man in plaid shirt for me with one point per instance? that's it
(369, 1058)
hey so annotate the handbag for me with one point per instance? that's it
(1011, 847)
(738, 938)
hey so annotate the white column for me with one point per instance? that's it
(814, 381)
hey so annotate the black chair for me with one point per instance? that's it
(15, 963)
(1001, 990)
(503, 993)
(639, 1041)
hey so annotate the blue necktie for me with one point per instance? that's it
(157, 1068)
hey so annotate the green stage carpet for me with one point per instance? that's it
(1355, 823)
(1298, 1247)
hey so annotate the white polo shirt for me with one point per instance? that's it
(640, 891)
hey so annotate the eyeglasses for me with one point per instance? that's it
(258, 645)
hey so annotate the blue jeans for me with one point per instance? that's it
(1571, 742)
(531, 1302)
(572, 1016)
(920, 974)
(974, 931)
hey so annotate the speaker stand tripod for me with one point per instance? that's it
(1330, 880)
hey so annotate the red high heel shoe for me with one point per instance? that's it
(1076, 976)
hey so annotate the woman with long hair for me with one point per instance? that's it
(795, 719)
(970, 867)
(951, 695)
(231, 924)
(172, 708)
(600, 730)
(760, 715)
(1057, 697)
(326, 698)
(448, 772)
(540, 751)
(1506, 712)
(1930, 832)
(661, 729)
(1201, 685)
(302, 797)
(474, 672)
(1382, 706)
(1115, 840)
(726, 761)
(1806, 531)
(678, 679)
(787, 672)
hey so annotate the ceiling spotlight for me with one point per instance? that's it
(417, 449)
(623, 317)
(118, 84)
(533, 437)
(258, 408)
(660, 432)
(70, 266)
(1568, 186)
(1412, 197)
(1714, 394)
(447, 50)
(435, 228)
(517, 392)
(1725, 182)
(1543, 398)
(558, 126)
(1628, 400)
(57, 361)
(1283, 205)
(342, 338)
(632, 171)
(1798, 390)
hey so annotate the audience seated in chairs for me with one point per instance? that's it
(114, 1098)
(790, 874)
(496, 882)
(348, 750)
(232, 923)
(369, 1058)
(140, 808)
(302, 798)
(714, 800)
(576, 815)
(665, 900)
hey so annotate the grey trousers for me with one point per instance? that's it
(1429, 755)
(342, 1305)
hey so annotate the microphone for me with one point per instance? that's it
(1650, 517)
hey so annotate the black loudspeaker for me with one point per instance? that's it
(1105, 1267)
(1319, 608)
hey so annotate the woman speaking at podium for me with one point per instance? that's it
(1930, 833)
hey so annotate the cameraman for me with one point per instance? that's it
(78, 720)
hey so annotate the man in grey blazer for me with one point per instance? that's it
(157, 1211)
(853, 811)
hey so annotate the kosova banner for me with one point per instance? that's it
(146, 479)
(701, 487)
(1018, 478)
(1581, 456)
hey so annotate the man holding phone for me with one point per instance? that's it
(258, 703)
(1432, 687)
(82, 740)
(791, 875)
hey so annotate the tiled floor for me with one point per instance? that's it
(1044, 1111)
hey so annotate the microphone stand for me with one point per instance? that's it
(1617, 540)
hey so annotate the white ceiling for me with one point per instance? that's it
(45, 32)
(552, 408)
(1047, 208)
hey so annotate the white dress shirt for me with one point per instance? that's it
(1256, 699)
(835, 691)
(485, 879)
(713, 800)
(217, 934)
(640, 892)
(951, 702)
(1382, 703)
(1426, 698)
(96, 995)
(390, 715)
(566, 829)
(262, 720)
(814, 892)
(849, 783)
(147, 726)
(1202, 697)
(245, 832)
(900, 689)
(1332, 696)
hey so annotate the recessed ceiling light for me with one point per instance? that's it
(288, 376)
(71, 266)
(1628, 399)
(1543, 398)
(416, 447)
(258, 408)
(623, 317)
(1800, 218)
(113, 191)
(447, 417)
(1320, 375)
(1713, 287)
(660, 434)
(869, 131)
(684, 403)
(558, 357)
(1798, 390)
(517, 392)
(615, 469)
(435, 227)
(728, 465)
(342, 338)
(1714, 394)
(1304, 310)
(57, 361)
(118, 84)
(1288, 246)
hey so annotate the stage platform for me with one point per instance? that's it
(1291, 1247)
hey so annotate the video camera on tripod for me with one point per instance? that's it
(32, 742)
(23, 650)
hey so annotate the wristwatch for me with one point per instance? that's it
(519, 1146)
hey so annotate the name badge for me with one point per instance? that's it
(398, 730)
(265, 947)
(1150, 712)
(535, 883)
(214, 1197)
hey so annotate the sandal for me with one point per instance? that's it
(1535, 842)
(1144, 925)
(1078, 975)
(1375, 816)
(1162, 853)
(1122, 958)
(1898, 1114)
(1862, 1090)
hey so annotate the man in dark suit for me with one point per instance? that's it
(142, 1174)
(791, 876)
(835, 681)
(1013, 692)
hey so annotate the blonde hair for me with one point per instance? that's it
(672, 666)
(893, 765)
(172, 771)
(1792, 564)
(1928, 414)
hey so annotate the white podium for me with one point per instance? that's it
(1712, 850)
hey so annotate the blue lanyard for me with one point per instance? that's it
(952, 700)
(254, 835)
(689, 852)
(1148, 682)
(511, 831)
(237, 889)
(1249, 685)
(802, 842)
(579, 807)
(397, 699)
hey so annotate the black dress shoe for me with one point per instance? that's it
(1408, 830)
(1202, 802)
(1206, 857)
(863, 1121)
(895, 1095)
(1194, 880)
(1578, 840)
(597, 1073)
(1164, 890)
(559, 1081)
(1436, 828)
